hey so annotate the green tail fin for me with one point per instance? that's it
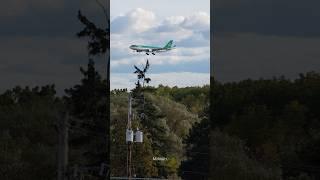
(169, 44)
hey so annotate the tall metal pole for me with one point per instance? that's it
(130, 160)
(129, 153)
(129, 112)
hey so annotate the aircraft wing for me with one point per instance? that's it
(156, 49)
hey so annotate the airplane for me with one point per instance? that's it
(152, 49)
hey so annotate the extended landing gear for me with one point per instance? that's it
(149, 53)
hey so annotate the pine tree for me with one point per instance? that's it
(196, 165)
(87, 104)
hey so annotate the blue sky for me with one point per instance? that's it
(142, 22)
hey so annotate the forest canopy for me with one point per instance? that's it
(266, 128)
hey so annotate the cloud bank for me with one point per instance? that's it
(180, 79)
(140, 26)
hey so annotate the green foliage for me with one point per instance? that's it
(98, 38)
(28, 135)
(194, 98)
(277, 119)
(29, 123)
(165, 125)
(229, 159)
(98, 45)
(86, 103)
(196, 164)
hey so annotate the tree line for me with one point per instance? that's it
(266, 128)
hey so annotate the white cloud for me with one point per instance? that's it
(162, 8)
(179, 79)
(182, 55)
(136, 21)
(174, 20)
(141, 26)
(197, 40)
(199, 21)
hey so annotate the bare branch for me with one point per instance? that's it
(103, 8)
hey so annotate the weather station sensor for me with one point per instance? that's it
(138, 136)
(129, 135)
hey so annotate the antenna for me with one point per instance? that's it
(131, 136)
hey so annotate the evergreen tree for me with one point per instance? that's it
(28, 133)
(196, 165)
(87, 105)
(98, 39)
